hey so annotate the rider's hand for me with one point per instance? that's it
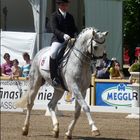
(66, 37)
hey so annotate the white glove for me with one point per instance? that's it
(66, 37)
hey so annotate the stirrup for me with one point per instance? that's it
(56, 82)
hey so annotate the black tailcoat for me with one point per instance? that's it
(60, 26)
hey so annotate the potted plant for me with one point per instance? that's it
(135, 73)
(134, 70)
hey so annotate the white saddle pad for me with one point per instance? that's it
(45, 61)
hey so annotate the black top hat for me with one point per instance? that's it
(62, 1)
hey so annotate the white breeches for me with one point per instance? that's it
(54, 49)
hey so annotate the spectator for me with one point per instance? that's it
(16, 70)
(6, 67)
(0, 71)
(103, 68)
(136, 60)
(113, 59)
(115, 72)
(26, 67)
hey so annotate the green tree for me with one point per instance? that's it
(131, 25)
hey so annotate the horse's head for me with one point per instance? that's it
(93, 42)
(96, 46)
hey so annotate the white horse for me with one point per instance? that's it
(76, 75)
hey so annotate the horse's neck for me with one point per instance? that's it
(78, 68)
(80, 52)
(78, 57)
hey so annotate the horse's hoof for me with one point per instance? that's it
(96, 133)
(67, 137)
(55, 134)
(24, 131)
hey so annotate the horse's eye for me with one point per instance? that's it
(95, 47)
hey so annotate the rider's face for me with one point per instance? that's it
(64, 6)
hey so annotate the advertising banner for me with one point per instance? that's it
(114, 94)
(10, 91)
(13, 90)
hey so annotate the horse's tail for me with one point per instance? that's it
(23, 101)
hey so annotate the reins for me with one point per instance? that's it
(89, 56)
(86, 56)
(67, 53)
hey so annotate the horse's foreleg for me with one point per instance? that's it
(94, 129)
(52, 104)
(86, 109)
(73, 122)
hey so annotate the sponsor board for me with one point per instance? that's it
(114, 94)
(13, 90)
(9, 93)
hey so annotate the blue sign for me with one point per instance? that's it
(113, 94)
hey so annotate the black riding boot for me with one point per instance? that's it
(53, 72)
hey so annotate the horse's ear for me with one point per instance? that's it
(105, 33)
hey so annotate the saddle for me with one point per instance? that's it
(62, 54)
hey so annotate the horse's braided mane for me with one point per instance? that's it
(86, 29)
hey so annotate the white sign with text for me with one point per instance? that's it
(12, 90)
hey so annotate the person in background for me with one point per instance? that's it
(0, 71)
(6, 67)
(102, 71)
(113, 59)
(16, 70)
(136, 60)
(26, 67)
(63, 28)
(115, 72)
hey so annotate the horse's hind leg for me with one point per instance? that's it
(52, 104)
(34, 85)
(25, 128)
(73, 122)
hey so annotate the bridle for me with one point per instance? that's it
(88, 56)
(92, 56)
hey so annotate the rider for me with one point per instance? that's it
(63, 28)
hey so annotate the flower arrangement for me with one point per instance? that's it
(135, 67)
(135, 73)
